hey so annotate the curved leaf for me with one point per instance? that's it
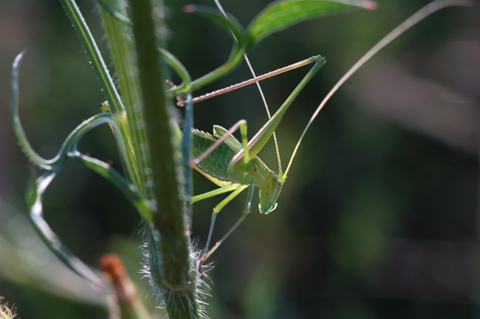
(282, 14)
(236, 56)
(70, 141)
(178, 67)
(128, 189)
(35, 206)
(17, 125)
(230, 24)
(38, 187)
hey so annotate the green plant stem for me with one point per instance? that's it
(122, 51)
(81, 27)
(176, 267)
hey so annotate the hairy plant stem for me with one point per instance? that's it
(177, 270)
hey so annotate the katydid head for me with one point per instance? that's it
(268, 196)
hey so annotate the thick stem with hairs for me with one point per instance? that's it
(176, 270)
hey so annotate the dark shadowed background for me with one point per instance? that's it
(379, 217)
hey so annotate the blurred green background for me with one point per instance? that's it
(379, 217)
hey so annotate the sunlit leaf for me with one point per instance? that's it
(282, 14)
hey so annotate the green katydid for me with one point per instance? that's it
(234, 166)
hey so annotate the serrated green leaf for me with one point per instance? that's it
(282, 14)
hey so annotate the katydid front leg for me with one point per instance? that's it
(245, 214)
(217, 209)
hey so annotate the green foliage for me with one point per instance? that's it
(140, 116)
(277, 16)
(282, 14)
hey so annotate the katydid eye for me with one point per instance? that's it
(279, 184)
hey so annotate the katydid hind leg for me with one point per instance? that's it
(255, 79)
(256, 144)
